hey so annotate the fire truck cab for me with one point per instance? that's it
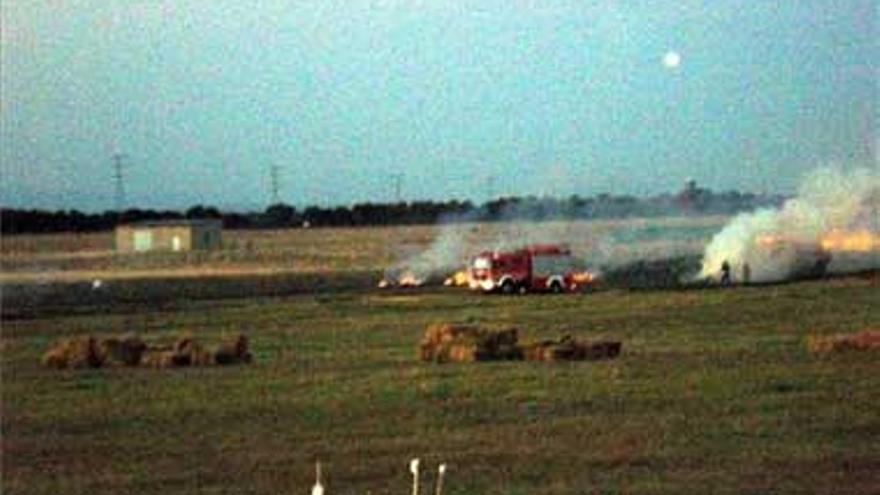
(533, 268)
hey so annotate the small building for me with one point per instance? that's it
(168, 235)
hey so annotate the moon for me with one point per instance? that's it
(672, 60)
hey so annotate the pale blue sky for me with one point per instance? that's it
(544, 97)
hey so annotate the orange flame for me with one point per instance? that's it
(583, 277)
(458, 279)
(410, 279)
(407, 279)
(861, 241)
(769, 240)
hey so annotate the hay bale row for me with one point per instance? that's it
(186, 351)
(130, 350)
(465, 343)
(866, 340)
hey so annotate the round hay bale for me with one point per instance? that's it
(55, 357)
(602, 350)
(463, 353)
(233, 351)
(76, 352)
(509, 352)
(201, 357)
(158, 358)
(866, 340)
(126, 351)
(446, 332)
(188, 352)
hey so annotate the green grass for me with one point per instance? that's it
(715, 393)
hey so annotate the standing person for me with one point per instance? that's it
(747, 273)
(725, 273)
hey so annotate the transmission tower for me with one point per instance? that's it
(490, 186)
(273, 176)
(398, 187)
(119, 180)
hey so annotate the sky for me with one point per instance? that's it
(449, 98)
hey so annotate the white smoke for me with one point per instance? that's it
(595, 243)
(777, 244)
(446, 253)
(459, 240)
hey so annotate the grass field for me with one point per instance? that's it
(86, 256)
(715, 393)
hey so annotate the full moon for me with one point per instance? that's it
(671, 60)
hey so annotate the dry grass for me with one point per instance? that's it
(57, 244)
(78, 257)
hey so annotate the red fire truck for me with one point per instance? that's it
(532, 268)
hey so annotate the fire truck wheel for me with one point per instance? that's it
(508, 287)
(556, 287)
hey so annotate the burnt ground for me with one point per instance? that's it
(671, 273)
(30, 300)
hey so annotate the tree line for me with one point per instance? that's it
(281, 215)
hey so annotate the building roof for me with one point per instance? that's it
(184, 222)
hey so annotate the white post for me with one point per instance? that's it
(441, 470)
(318, 489)
(414, 469)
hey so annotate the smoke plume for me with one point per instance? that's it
(597, 244)
(833, 223)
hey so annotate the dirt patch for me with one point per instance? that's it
(866, 340)
(665, 273)
(33, 300)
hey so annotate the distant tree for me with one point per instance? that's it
(280, 215)
(689, 201)
(201, 211)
